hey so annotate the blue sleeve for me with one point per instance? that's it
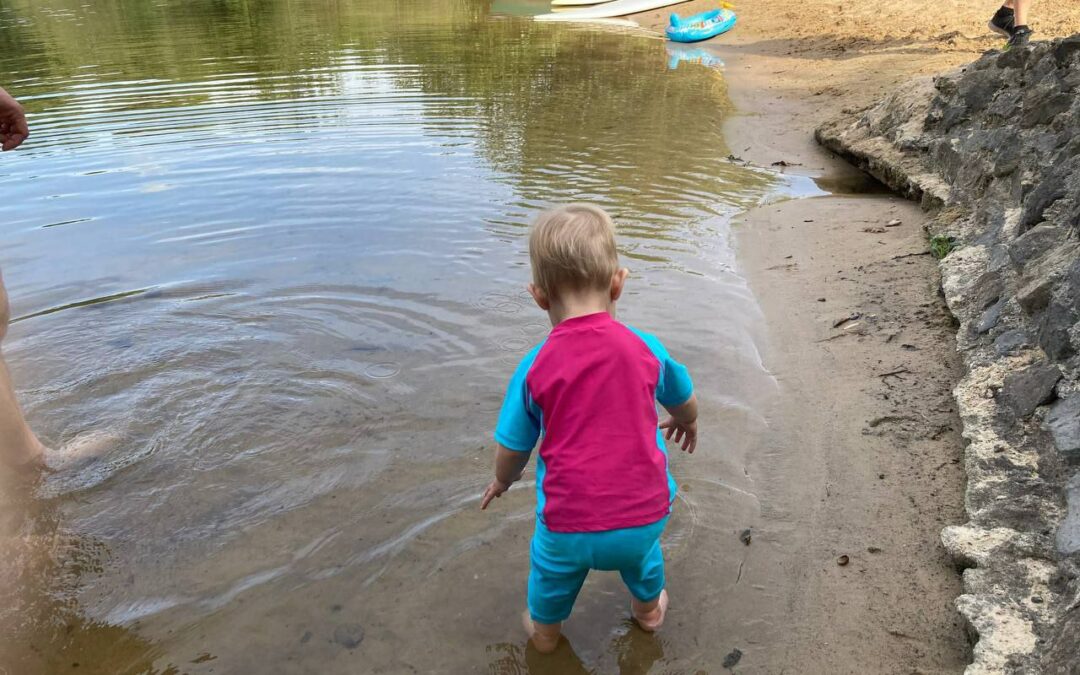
(674, 386)
(519, 420)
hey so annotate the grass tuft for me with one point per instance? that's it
(941, 245)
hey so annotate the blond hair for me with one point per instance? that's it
(572, 247)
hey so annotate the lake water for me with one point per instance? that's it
(275, 253)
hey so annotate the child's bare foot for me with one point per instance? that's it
(650, 615)
(544, 636)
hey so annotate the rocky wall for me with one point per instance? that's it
(993, 149)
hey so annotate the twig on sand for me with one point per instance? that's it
(837, 337)
(893, 373)
(910, 255)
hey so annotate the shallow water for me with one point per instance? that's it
(274, 253)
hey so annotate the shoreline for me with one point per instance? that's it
(787, 81)
(864, 453)
(865, 408)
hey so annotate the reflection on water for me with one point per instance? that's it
(683, 53)
(277, 249)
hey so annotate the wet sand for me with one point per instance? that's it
(863, 452)
(864, 428)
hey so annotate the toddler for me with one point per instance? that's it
(589, 390)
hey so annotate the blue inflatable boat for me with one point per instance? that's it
(700, 26)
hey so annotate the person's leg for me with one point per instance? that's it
(636, 553)
(19, 447)
(555, 579)
(645, 581)
(1020, 8)
(1003, 20)
(1021, 33)
(544, 636)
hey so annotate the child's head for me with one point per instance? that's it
(572, 250)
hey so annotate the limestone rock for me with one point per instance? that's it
(999, 165)
(1029, 388)
(1063, 423)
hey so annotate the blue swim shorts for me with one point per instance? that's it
(562, 560)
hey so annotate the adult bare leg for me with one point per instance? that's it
(1020, 7)
(19, 447)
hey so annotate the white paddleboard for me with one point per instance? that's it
(628, 25)
(608, 10)
(574, 3)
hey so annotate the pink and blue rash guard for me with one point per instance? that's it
(591, 390)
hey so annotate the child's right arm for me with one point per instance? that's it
(682, 423)
(516, 433)
(509, 465)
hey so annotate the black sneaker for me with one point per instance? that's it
(1002, 21)
(1020, 37)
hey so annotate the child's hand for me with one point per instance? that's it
(494, 490)
(685, 433)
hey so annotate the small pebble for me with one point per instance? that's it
(732, 659)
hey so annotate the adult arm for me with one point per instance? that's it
(13, 127)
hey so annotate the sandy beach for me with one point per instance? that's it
(865, 432)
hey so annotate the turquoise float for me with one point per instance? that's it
(700, 26)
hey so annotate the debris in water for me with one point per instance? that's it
(784, 162)
(843, 560)
(732, 659)
(745, 536)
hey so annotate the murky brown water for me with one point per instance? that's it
(277, 249)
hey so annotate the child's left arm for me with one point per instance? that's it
(509, 465)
